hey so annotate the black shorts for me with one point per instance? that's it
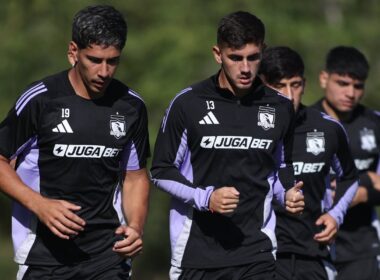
(98, 269)
(255, 271)
(297, 267)
(360, 269)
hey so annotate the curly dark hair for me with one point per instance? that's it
(99, 25)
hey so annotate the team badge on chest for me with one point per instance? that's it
(118, 126)
(368, 139)
(266, 117)
(315, 142)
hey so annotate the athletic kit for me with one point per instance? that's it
(357, 239)
(73, 149)
(320, 143)
(208, 139)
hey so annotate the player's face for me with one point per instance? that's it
(342, 92)
(292, 88)
(95, 66)
(238, 66)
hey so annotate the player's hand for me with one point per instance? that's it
(294, 199)
(132, 243)
(224, 200)
(330, 228)
(59, 217)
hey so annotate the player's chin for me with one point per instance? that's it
(346, 108)
(295, 210)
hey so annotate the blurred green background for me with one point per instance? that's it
(168, 48)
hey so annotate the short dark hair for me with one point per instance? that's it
(349, 61)
(240, 28)
(280, 63)
(99, 25)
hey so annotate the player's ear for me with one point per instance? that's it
(72, 53)
(217, 54)
(323, 77)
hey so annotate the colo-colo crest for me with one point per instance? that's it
(368, 139)
(266, 117)
(118, 126)
(315, 142)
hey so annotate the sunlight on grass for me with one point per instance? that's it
(8, 268)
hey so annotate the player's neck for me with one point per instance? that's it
(332, 112)
(80, 88)
(225, 83)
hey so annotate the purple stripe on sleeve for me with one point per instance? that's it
(26, 146)
(135, 94)
(378, 166)
(339, 210)
(337, 167)
(278, 189)
(280, 155)
(129, 158)
(170, 106)
(28, 92)
(329, 118)
(24, 103)
(183, 159)
(197, 197)
(327, 201)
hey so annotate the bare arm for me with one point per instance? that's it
(135, 206)
(368, 193)
(57, 215)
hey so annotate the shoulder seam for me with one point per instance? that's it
(171, 104)
(135, 94)
(329, 118)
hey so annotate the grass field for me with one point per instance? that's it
(8, 268)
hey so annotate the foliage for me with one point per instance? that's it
(168, 48)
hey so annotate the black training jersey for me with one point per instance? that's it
(73, 149)
(320, 143)
(357, 238)
(210, 139)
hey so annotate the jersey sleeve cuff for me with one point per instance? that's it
(202, 198)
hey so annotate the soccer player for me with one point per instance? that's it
(320, 142)
(343, 80)
(81, 142)
(217, 154)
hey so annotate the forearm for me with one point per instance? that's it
(343, 201)
(197, 197)
(136, 198)
(12, 186)
(370, 181)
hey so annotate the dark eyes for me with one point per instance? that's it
(293, 85)
(253, 57)
(96, 60)
(345, 84)
(358, 86)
